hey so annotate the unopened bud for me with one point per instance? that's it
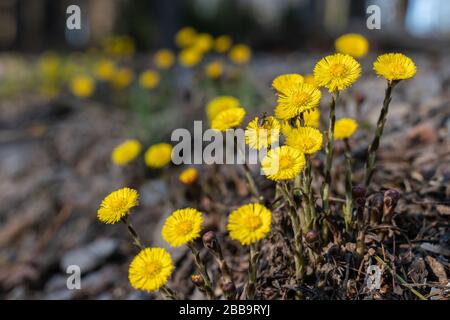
(228, 287)
(359, 195)
(210, 240)
(198, 280)
(312, 236)
(391, 198)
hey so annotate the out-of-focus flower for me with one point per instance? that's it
(394, 66)
(120, 46)
(294, 100)
(117, 205)
(282, 82)
(203, 42)
(49, 64)
(240, 54)
(189, 57)
(228, 119)
(122, 78)
(182, 227)
(126, 151)
(214, 69)
(337, 72)
(105, 69)
(188, 176)
(344, 128)
(219, 104)
(249, 223)
(262, 133)
(185, 37)
(223, 44)
(82, 86)
(353, 44)
(150, 269)
(283, 163)
(306, 139)
(164, 59)
(149, 79)
(158, 155)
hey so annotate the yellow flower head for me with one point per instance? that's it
(122, 78)
(182, 226)
(158, 155)
(164, 59)
(214, 69)
(353, 44)
(309, 79)
(82, 86)
(219, 104)
(228, 119)
(306, 139)
(297, 99)
(203, 42)
(105, 69)
(185, 37)
(188, 176)
(310, 119)
(344, 128)
(337, 72)
(394, 66)
(284, 81)
(126, 152)
(150, 269)
(49, 65)
(223, 44)
(190, 57)
(240, 54)
(117, 205)
(149, 79)
(262, 133)
(249, 223)
(283, 163)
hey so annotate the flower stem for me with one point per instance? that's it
(251, 285)
(169, 293)
(136, 240)
(348, 206)
(248, 174)
(201, 268)
(308, 194)
(370, 162)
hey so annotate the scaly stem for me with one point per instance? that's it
(309, 197)
(251, 284)
(248, 174)
(136, 240)
(370, 162)
(348, 206)
(201, 268)
(169, 293)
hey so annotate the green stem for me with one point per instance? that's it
(136, 240)
(310, 203)
(169, 293)
(251, 285)
(348, 206)
(201, 268)
(248, 174)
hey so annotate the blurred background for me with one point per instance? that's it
(69, 97)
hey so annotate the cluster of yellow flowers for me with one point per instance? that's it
(156, 156)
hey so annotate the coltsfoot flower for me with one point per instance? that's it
(150, 269)
(249, 223)
(337, 72)
(283, 163)
(214, 69)
(164, 59)
(117, 205)
(309, 79)
(190, 57)
(105, 69)
(294, 100)
(223, 43)
(353, 44)
(149, 79)
(203, 42)
(188, 176)
(228, 119)
(219, 104)
(284, 81)
(158, 155)
(82, 86)
(182, 227)
(262, 133)
(394, 66)
(126, 152)
(306, 139)
(185, 37)
(240, 54)
(345, 128)
(122, 78)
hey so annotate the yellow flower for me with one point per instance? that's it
(394, 66)
(82, 86)
(297, 99)
(189, 57)
(219, 104)
(249, 223)
(306, 139)
(228, 119)
(126, 152)
(337, 72)
(309, 79)
(164, 59)
(105, 69)
(203, 42)
(240, 54)
(117, 205)
(353, 44)
(49, 65)
(182, 226)
(312, 118)
(262, 133)
(122, 78)
(283, 163)
(214, 69)
(188, 176)
(223, 44)
(185, 37)
(149, 79)
(150, 269)
(344, 128)
(284, 81)
(158, 155)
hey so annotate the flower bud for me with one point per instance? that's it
(198, 280)
(210, 240)
(312, 236)
(359, 195)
